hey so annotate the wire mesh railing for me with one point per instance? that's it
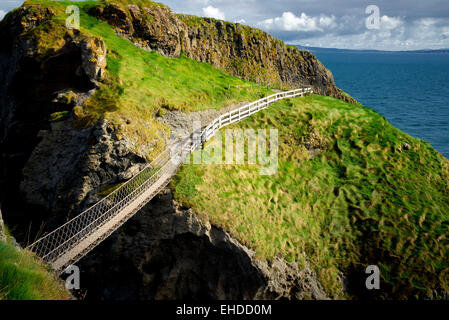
(66, 236)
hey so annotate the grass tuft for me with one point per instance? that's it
(24, 277)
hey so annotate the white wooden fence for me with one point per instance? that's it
(245, 111)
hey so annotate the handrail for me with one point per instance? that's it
(257, 105)
(151, 178)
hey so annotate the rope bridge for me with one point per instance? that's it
(74, 239)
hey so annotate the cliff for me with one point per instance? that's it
(2, 229)
(239, 50)
(46, 73)
(56, 161)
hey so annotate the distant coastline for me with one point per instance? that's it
(336, 50)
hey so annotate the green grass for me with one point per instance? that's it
(59, 116)
(23, 277)
(360, 202)
(108, 189)
(139, 83)
(142, 3)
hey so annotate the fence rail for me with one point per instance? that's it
(243, 112)
(74, 239)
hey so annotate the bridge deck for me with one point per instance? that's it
(83, 247)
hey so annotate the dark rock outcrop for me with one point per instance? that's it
(166, 252)
(2, 229)
(75, 164)
(20, 21)
(49, 170)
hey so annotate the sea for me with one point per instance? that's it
(411, 89)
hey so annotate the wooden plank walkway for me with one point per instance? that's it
(88, 243)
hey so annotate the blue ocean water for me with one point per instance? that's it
(410, 89)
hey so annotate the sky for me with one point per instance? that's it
(347, 24)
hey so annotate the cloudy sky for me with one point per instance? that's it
(401, 24)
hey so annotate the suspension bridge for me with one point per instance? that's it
(74, 239)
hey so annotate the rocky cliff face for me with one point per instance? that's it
(239, 50)
(50, 170)
(2, 229)
(166, 252)
(75, 164)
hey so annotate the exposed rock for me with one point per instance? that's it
(406, 146)
(72, 98)
(35, 85)
(20, 21)
(239, 50)
(115, 15)
(166, 252)
(93, 57)
(75, 163)
(314, 143)
(314, 152)
(2, 229)
(182, 124)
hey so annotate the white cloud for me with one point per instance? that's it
(290, 22)
(2, 14)
(212, 12)
(327, 22)
(427, 22)
(349, 31)
(241, 21)
(390, 23)
(394, 34)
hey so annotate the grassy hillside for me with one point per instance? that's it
(23, 277)
(362, 201)
(141, 84)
